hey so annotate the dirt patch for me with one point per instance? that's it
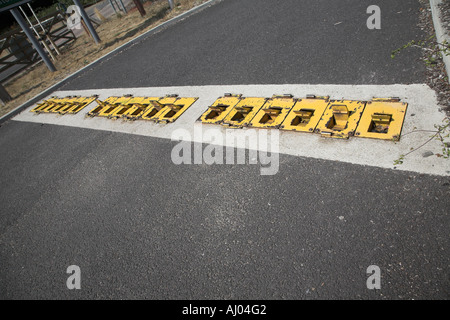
(113, 32)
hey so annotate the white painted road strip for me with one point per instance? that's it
(422, 114)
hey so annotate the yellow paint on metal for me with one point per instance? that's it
(306, 114)
(137, 106)
(58, 104)
(382, 119)
(273, 113)
(77, 104)
(63, 105)
(112, 105)
(47, 105)
(101, 106)
(67, 103)
(129, 107)
(153, 109)
(340, 118)
(174, 107)
(241, 114)
(41, 106)
(217, 112)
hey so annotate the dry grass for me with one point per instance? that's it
(114, 32)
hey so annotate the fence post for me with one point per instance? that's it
(140, 7)
(32, 39)
(123, 6)
(87, 21)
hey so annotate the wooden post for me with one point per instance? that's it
(140, 7)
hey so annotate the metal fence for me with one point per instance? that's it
(17, 53)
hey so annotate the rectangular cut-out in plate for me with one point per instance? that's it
(382, 119)
(133, 106)
(216, 113)
(101, 106)
(242, 113)
(306, 114)
(273, 113)
(49, 104)
(174, 107)
(153, 109)
(113, 106)
(108, 107)
(71, 104)
(137, 107)
(340, 118)
(76, 104)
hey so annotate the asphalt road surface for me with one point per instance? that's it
(267, 42)
(141, 227)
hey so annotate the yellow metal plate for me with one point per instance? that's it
(63, 105)
(340, 118)
(42, 105)
(241, 114)
(58, 104)
(382, 120)
(48, 105)
(128, 107)
(137, 106)
(77, 105)
(305, 115)
(66, 104)
(173, 108)
(217, 112)
(113, 104)
(153, 109)
(101, 105)
(273, 113)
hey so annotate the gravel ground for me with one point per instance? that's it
(445, 14)
(436, 74)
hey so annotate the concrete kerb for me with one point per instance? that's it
(441, 34)
(58, 85)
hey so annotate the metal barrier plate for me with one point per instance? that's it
(273, 113)
(306, 114)
(112, 105)
(217, 112)
(174, 107)
(47, 105)
(382, 119)
(128, 107)
(153, 108)
(340, 118)
(78, 104)
(63, 105)
(241, 114)
(137, 106)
